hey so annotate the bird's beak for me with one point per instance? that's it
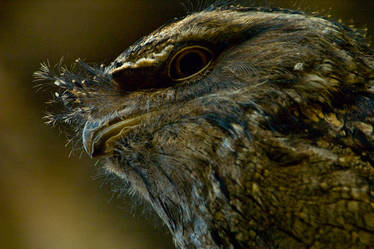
(100, 138)
(89, 131)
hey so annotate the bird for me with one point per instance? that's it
(242, 127)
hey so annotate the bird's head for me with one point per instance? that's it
(182, 113)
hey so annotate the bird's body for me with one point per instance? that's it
(266, 143)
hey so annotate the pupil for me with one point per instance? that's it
(191, 63)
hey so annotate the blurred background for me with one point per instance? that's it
(49, 200)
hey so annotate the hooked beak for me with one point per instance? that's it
(100, 137)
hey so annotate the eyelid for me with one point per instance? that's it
(183, 50)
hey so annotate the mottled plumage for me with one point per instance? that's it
(261, 138)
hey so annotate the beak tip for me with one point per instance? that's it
(86, 148)
(87, 137)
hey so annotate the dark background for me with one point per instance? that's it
(51, 201)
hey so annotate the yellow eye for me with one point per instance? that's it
(188, 62)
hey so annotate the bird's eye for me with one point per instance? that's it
(189, 62)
